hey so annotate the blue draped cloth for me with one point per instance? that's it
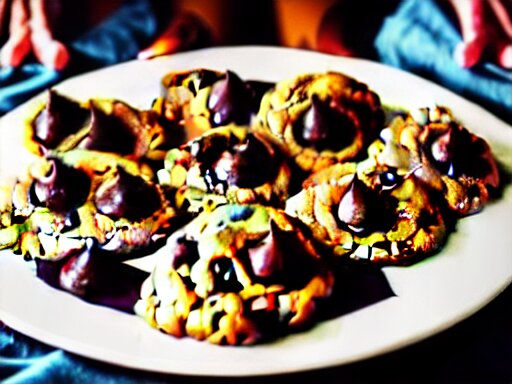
(420, 37)
(24, 360)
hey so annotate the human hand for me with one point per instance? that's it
(486, 28)
(30, 32)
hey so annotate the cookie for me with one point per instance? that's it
(105, 125)
(464, 161)
(378, 210)
(229, 164)
(322, 118)
(65, 199)
(237, 275)
(201, 99)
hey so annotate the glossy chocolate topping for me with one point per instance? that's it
(254, 163)
(352, 208)
(248, 165)
(60, 118)
(325, 126)
(361, 210)
(230, 101)
(114, 131)
(283, 258)
(98, 277)
(127, 196)
(457, 152)
(62, 188)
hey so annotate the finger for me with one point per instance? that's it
(19, 16)
(502, 15)
(18, 46)
(470, 14)
(505, 56)
(48, 51)
(52, 54)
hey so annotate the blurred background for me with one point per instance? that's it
(465, 45)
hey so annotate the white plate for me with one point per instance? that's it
(430, 296)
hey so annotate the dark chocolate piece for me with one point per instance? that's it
(60, 118)
(127, 196)
(62, 188)
(230, 101)
(326, 125)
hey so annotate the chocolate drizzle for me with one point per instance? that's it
(127, 196)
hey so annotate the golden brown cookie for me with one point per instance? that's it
(463, 160)
(228, 164)
(201, 99)
(377, 210)
(323, 118)
(69, 197)
(237, 275)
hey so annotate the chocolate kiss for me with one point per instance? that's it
(253, 164)
(127, 196)
(60, 118)
(267, 259)
(230, 101)
(442, 148)
(98, 277)
(353, 209)
(325, 126)
(283, 258)
(118, 131)
(316, 124)
(62, 188)
(456, 153)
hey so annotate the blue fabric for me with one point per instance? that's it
(23, 360)
(120, 37)
(18, 84)
(419, 37)
(117, 39)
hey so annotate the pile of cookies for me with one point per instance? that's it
(259, 190)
